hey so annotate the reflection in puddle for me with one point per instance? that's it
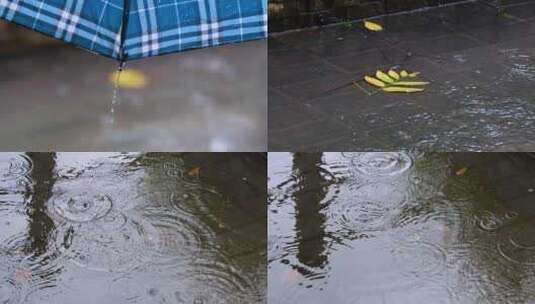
(132, 228)
(401, 228)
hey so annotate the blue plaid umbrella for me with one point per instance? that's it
(133, 29)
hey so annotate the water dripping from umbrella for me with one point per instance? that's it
(115, 98)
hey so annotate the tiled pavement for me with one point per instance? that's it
(481, 65)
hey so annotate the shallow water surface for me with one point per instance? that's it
(401, 228)
(132, 228)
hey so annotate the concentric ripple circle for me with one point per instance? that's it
(82, 207)
(431, 259)
(95, 248)
(490, 222)
(25, 271)
(362, 216)
(224, 283)
(382, 163)
(517, 244)
(14, 166)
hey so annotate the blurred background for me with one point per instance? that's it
(57, 97)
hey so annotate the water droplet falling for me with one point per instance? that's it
(115, 98)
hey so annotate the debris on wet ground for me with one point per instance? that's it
(481, 66)
(461, 171)
(372, 26)
(396, 83)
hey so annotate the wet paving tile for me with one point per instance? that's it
(437, 46)
(364, 61)
(333, 82)
(286, 114)
(352, 42)
(471, 15)
(503, 34)
(466, 60)
(281, 75)
(290, 57)
(413, 26)
(309, 136)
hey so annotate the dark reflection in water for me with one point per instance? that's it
(309, 220)
(401, 228)
(40, 224)
(132, 228)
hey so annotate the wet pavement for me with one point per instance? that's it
(401, 228)
(132, 228)
(59, 98)
(480, 62)
(293, 14)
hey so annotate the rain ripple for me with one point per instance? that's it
(24, 270)
(372, 210)
(14, 166)
(121, 242)
(382, 163)
(84, 206)
(489, 221)
(517, 244)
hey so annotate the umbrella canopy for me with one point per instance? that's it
(133, 29)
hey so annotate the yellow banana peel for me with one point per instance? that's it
(383, 77)
(372, 26)
(374, 81)
(393, 74)
(411, 83)
(393, 81)
(402, 90)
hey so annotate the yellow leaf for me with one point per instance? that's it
(402, 90)
(194, 172)
(414, 74)
(461, 171)
(129, 79)
(404, 73)
(393, 74)
(374, 81)
(412, 83)
(372, 26)
(383, 77)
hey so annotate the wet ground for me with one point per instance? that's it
(401, 228)
(293, 14)
(480, 62)
(59, 98)
(132, 228)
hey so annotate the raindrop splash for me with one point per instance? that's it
(382, 163)
(115, 98)
(82, 207)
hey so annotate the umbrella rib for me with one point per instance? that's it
(124, 27)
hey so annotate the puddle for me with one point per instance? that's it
(410, 228)
(132, 228)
